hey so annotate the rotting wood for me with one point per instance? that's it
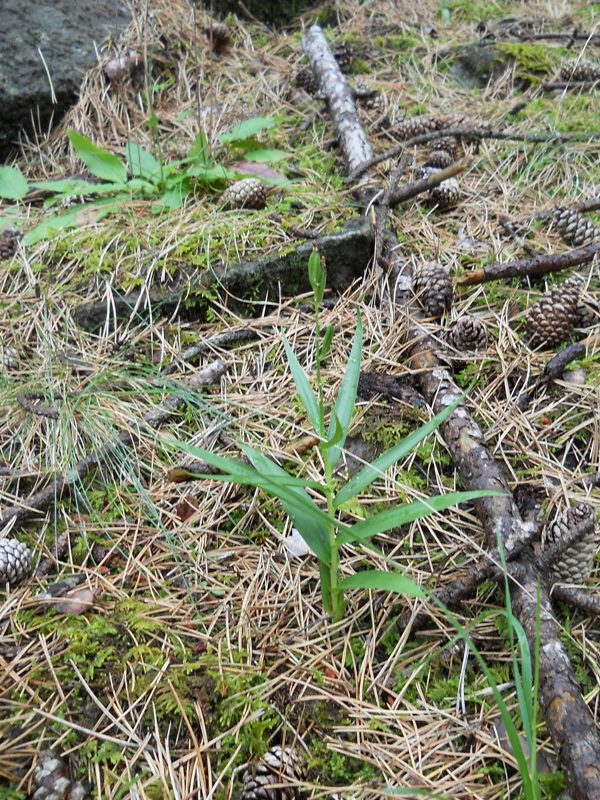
(567, 716)
(62, 485)
(539, 265)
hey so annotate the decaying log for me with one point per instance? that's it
(63, 484)
(539, 265)
(567, 716)
(352, 140)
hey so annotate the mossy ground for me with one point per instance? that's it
(205, 643)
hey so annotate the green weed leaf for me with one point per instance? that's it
(247, 129)
(143, 164)
(264, 154)
(326, 343)
(100, 162)
(13, 184)
(199, 152)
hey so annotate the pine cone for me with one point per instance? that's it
(9, 241)
(576, 563)
(344, 56)
(15, 562)
(587, 313)
(415, 126)
(551, 320)
(445, 194)
(448, 143)
(247, 193)
(305, 79)
(432, 287)
(51, 780)
(368, 99)
(440, 159)
(273, 777)
(219, 36)
(574, 227)
(468, 333)
(579, 69)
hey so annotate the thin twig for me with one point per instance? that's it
(415, 188)
(550, 86)
(553, 369)
(539, 265)
(577, 598)
(468, 133)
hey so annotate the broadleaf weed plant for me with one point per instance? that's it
(140, 176)
(319, 523)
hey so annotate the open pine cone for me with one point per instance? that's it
(51, 780)
(432, 287)
(552, 319)
(247, 193)
(274, 776)
(579, 69)
(468, 334)
(15, 562)
(9, 241)
(575, 564)
(574, 227)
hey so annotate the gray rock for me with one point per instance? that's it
(54, 38)
(272, 12)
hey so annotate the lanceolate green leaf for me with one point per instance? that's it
(305, 392)
(306, 518)
(100, 162)
(386, 581)
(402, 515)
(142, 164)
(346, 398)
(368, 474)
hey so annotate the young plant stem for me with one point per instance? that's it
(335, 595)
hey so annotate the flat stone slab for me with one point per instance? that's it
(244, 286)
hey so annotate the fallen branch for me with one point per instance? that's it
(539, 265)
(340, 97)
(415, 188)
(588, 603)
(466, 133)
(63, 484)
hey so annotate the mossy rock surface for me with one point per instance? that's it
(346, 254)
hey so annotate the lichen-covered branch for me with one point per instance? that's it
(350, 134)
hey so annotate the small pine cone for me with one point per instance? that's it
(9, 241)
(468, 333)
(274, 775)
(578, 69)
(445, 194)
(15, 562)
(51, 780)
(587, 313)
(305, 79)
(448, 143)
(574, 227)
(575, 564)
(247, 193)
(440, 159)
(415, 126)
(344, 56)
(219, 36)
(551, 320)
(432, 287)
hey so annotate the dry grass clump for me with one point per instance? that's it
(205, 641)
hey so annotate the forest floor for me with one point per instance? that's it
(196, 637)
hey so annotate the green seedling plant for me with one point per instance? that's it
(320, 523)
(142, 176)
